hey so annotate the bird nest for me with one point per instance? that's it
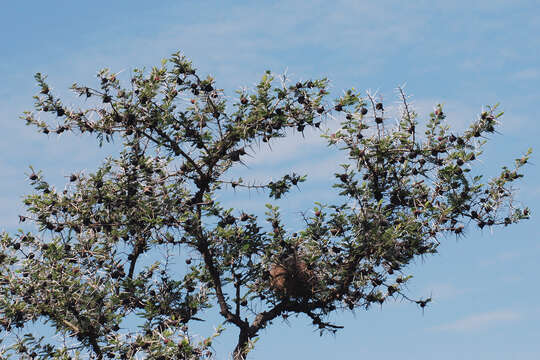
(290, 276)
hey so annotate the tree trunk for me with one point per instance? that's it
(241, 351)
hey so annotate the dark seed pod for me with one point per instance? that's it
(130, 119)
(364, 111)
(379, 106)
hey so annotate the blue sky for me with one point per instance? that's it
(460, 53)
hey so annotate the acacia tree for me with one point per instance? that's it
(89, 266)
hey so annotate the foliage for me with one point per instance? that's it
(86, 269)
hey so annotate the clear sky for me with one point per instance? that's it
(464, 54)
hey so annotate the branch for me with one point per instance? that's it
(90, 334)
(203, 248)
(175, 148)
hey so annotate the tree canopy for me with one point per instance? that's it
(87, 274)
